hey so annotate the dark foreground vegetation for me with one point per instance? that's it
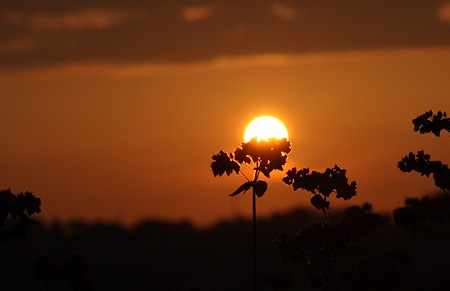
(164, 256)
(307, 249)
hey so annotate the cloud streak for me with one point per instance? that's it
(444, 13)
(197, 13)
(98, 19)
(225, 63)
(284, 11)
(135, 31)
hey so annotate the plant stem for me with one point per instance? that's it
(255, 258)
(244, 176)
(325, 214)
(324, 209)
(255, 261)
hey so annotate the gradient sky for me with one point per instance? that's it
(112, 110)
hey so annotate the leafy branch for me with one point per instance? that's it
(421, 162)
(428, 122)
(321, 185)
(266, 155)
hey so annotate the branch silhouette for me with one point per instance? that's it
(421, 162)
(321, 185)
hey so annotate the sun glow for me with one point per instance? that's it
(265, 127)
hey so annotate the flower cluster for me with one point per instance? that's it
(266, 155)
(321, 185)
(428, 122)
(422, 164)
(21, 206)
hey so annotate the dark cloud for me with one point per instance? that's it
(40, 33)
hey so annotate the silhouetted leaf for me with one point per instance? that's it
(244, 187)
(265, 171)
(260, 188)
(318, 202)
(240, 156)
(223, 163)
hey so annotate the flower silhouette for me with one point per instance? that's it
(266, 155)
(321, 185)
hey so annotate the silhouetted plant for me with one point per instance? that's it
(15, 213)
(421, 162)
(428, 122)
(416, 211)
(266, 156)
(17, 210)
(18, 207)
(319, 246)
(321, 185)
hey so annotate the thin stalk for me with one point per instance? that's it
(325, 213)
(255, 261)
(255, 258)
(242, 173)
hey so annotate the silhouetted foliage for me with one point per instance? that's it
(321, 185)
(319, 246)
(428, 122)
(158, 255)
(223, 163)
(360, 221)
(421, 162)
(19, 208)
(418, 211)
(267, 155)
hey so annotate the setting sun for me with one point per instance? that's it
(265, 127)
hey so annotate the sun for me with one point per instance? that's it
(265, 127)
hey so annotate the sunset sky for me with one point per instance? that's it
(111, 110)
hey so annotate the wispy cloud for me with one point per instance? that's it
(197, 13)
(98, 19)
(16, 45)
(284, 11)
(226, 63)
(41, 33)
(444, 12)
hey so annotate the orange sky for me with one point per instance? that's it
(124, 135)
